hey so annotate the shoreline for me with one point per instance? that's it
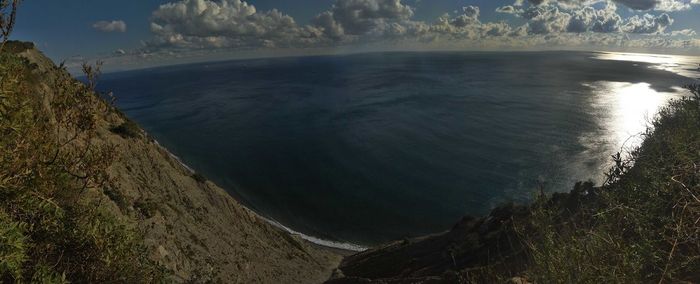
(343, 249)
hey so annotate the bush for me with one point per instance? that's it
(116, 197)
(128, 129)
(199, 178)
(12, 248)
(639, 227)
(15, 47)
(50, 231)
(147, 208)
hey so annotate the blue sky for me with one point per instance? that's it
(134, 34)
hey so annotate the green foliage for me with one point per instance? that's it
(641, 226)
(8, 15)
(45, 275)
(147, 208)
(17, 46)
(199, 178)
(12, 248)
(116, 197)
(128, 129)
(50, 230)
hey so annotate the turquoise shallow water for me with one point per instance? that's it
(375, 147)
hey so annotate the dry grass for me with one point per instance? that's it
(51, 231)
(642, 226)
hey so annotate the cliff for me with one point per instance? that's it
(189, 226)
(641, 226)
(87, 196)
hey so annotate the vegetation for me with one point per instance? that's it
(8, 15)
(147, 208)
(642, 225)
(128, 129)
(199, 178)
(15, 47)
(52, 227)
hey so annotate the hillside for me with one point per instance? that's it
(58, 136)
(641, 226)
(87, 196)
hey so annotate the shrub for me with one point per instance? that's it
(8, 15)
(199, 178)
(639, 227)
(128, 129)
(12, 248)
(15, 47)
(116, 197)
(147, 208)
(49, 230)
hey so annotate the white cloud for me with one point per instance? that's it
(110, 26)
(226, 23)
(639, 5)
(509, 10)
(360, 17)
(648, 24)
(205, 25)
(550, 19)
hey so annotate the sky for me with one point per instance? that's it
(139, 34)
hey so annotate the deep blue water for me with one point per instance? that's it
(376, 147)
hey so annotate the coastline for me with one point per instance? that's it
(343, 249)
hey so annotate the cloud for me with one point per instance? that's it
(546, 20)
(470, 16)
(225, 23)
(684, 33)
(639, 5)
(361, 17)
(110, 26)
(550, 19)
(509, 10)
(648, 24)
(202, 26)
(237, 24)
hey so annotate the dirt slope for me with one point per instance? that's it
(193, 227)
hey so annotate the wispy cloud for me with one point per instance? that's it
(110, 26)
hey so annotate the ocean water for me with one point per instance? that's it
(375, 147)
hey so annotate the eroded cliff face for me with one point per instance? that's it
(191, 226)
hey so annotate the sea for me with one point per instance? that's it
(356, 150)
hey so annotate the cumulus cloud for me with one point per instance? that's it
(225, 23)
(551, 19)
(360, 17)
(191, 25)
(675, 5)
(110, 26)
(509, 10)
(640, 5)
(648, 24)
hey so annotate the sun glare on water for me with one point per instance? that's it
(626, 110)
(688, 66)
